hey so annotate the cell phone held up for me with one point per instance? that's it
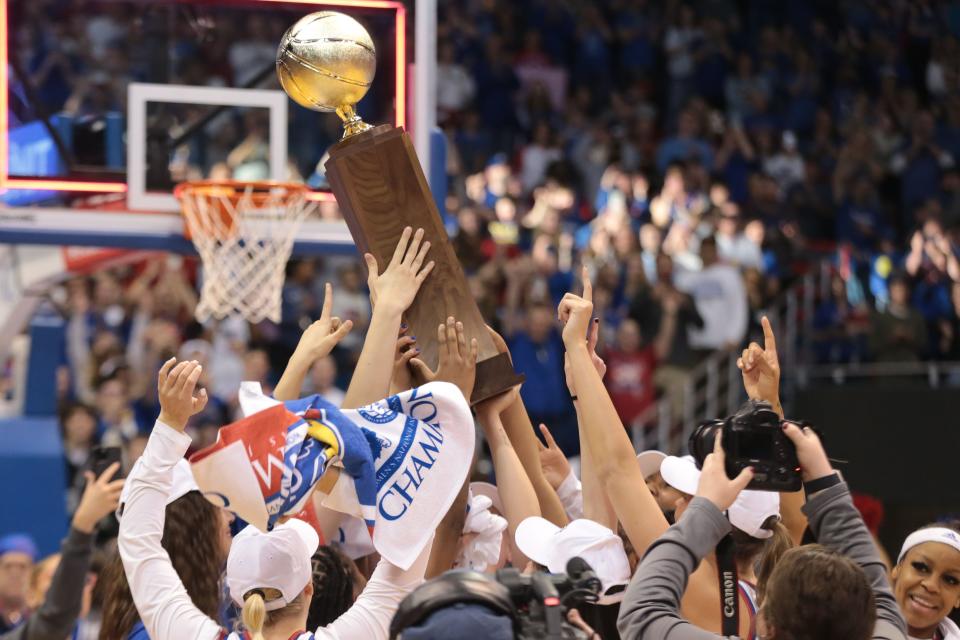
(102, 457)
(752, 437)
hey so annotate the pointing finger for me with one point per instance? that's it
(769, 340)
(327, 301)
(587, 286)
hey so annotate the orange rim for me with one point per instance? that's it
(217, 192)
(234, 189)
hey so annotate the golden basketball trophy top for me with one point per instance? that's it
(326, 62)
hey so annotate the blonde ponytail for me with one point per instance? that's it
(775, 547)
(254, 614)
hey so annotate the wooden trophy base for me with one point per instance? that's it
(381, 189)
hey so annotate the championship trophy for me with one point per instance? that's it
(326, 62)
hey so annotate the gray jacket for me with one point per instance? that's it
(57, 616)
(651, 605)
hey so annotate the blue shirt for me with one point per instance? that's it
(545, 391)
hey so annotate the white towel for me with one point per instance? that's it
(424, 448)
(487, 530)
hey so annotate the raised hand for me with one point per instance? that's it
(458, 362)
(322, 336)
(761, 368)
(100, 498)
(406, 350)
(813, 459)
(574, 313)
(397, 286)
(175, 386)
(493, 407)
(554, 463)
(597, 361)
(714, 484)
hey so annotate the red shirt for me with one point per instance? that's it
(629, 380)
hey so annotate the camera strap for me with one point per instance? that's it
(729, 587)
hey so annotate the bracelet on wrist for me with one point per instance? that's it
(824, 482)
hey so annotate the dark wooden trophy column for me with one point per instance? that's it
(381, 189)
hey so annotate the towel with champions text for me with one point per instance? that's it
(403, 459)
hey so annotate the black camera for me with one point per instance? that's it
(536, 604)
(752, 437)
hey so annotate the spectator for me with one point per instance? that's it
(18, 552)
(649, 309)
(117, 421)
(721, 300)
(840, 328)
(744, 89)
(631, 363)
(255, 52)
(899, 333)
(787, 167)
(733, 244)
(68, 593)
(455, 86)
(681, 39)
(920, 162)
(537, 156)
(352, 303)
(323, 378)
(537, 352)
(686, 145)
(78, 429)
(859, 220)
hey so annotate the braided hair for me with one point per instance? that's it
(333, 586)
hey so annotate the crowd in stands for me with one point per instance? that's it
(657, 546)
(694, 157)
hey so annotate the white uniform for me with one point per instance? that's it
(166, 609)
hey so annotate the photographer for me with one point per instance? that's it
(509, 606)
(837, 591)
(57, 616)
(620, 473)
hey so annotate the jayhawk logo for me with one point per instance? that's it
(377, 413)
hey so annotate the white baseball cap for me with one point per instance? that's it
(279, 559)
(748, 512)
(182, 483)
(547, 544)
(650, 462)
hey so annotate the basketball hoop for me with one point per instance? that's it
(244, 233)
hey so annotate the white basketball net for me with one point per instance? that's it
(243, 262)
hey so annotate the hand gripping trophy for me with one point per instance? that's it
(326, 62)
